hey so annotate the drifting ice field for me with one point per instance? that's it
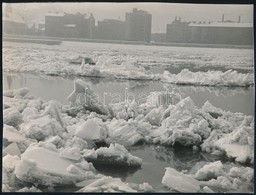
(200, 140)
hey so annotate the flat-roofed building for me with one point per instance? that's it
(225, 32)
(110, 29)
(230, 33)
(69, 25)
(138, 25)
(54, 24)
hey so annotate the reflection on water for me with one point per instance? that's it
(116, 171)
(238, 99)
(157, 158)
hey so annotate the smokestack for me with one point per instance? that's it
(239, 19)
(222, 17)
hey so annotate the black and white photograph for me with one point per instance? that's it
(130, 97)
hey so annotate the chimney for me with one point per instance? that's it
(239, 19)
(222, 18)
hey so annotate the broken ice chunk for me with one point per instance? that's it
(41, 128)
(122, 132)
(41, 166)
(107, 184)
(12, 149)
(207, 189)
(12, 117)
(20, 104)
(91, 130)
(115, 154)
(16, 92)
(32, 189)
(12, 135)
(209, 171)
(71, 153)
(154, 117)
(179, 181)
(53, 111)
(83, 96)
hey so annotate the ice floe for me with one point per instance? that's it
(115, 154)
(179, 181)
(50, 144)
(39, 165)
(107, 184)
(134, 66)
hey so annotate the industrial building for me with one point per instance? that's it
(138, 25)
(110, 29)
(69, 25)
(224, 32)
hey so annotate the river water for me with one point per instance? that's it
(238, 99)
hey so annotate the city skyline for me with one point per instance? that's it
(162, 13)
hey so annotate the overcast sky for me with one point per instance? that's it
(162, 13)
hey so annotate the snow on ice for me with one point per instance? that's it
(47, 143)
(108, 65)
(179, 181)
(210, 78)
(115, 154)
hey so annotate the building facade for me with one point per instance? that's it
(224, 32)
(110, 29)
(69, 25)
(138, 26)
(54, 24)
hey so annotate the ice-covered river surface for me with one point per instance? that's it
(155, 157)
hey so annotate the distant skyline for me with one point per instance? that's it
(162, 13)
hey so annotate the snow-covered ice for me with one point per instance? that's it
(55, 147)
(42, 166)
(210, 78)
(107, 184)
(115, 154)
(128, 63)
(179, 181)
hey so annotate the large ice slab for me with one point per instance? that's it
(122, 132)
(42, 166)
(179, 181)
(83, 96)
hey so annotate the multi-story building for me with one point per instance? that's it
(224, 32)
(177, 31)
(110, 29)
(138, 25)
(69, 25)
(229, 33)
(13, 23)
(54, 24)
